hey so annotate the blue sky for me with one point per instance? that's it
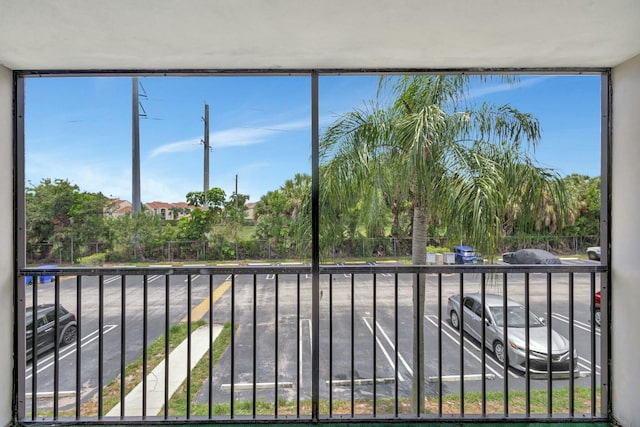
(80, 128)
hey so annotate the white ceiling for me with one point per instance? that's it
(324, 34)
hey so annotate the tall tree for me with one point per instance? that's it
(445, 149)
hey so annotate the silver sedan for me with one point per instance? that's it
(561, 353)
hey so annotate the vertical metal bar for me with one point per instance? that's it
(188, 346)
(298, 346)
(506, 345)
(418, 337)
(145, 327)
(78, 343)
(483, 338)
(233, 343)
(330, 345)
(56, 348)
(549, 348)
(606, 93)
(375, 344)
(210, 367)
(315, 249)
(353, 345)
(100, 344)
(34, 348)
(167, 329)
(527, 344)
(395, 343)
(461, 343)
(592, 292)
(255, 346)
(276, 352)
(440, 344)
(123, 343)
(571, 347)
(19, 239)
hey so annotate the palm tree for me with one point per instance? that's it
(454, 160)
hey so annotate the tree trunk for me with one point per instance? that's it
(418, 257)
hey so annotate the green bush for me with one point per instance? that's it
(93, 260)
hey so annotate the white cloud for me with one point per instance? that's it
(177, 147)
(233, 137)
(505, 87)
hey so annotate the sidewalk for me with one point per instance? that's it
(177, 375)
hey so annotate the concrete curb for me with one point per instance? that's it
(177, 375)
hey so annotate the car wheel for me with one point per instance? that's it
(593, 256)
(597, 316)
(70, 334)
(455, 320)
(499, 351)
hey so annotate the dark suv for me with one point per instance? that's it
(45, 323)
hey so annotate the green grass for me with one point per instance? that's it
(199, 374)
(133, 371)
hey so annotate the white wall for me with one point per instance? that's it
(6, 244)
(625, 238)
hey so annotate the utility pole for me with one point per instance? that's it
(135, 145)
(206, 147)
(237, 191)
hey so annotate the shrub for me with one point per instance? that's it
(93, 260)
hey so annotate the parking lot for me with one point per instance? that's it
(278, 330)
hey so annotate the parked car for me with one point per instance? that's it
(515, 349)
(593, 253)
(597, 313)
(467, 255)
(530, 256)
(45, 324)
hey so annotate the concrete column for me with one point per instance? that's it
(6, 244)
(625, 239)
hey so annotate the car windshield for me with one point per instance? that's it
(515, 317)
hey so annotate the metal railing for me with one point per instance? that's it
(237, 343)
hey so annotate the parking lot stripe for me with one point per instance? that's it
(456, 340)
(393, 348)
(107, 328)
(393, 366)
(203, 308)
(579, 325)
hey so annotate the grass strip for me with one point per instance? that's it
(199, 375)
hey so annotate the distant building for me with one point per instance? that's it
(170, 211)
(167, 211)
(117, 208)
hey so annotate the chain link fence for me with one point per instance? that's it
(221, 249)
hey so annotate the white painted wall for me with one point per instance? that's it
(6, 244)
(625, 237)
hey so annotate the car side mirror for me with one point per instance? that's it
(543, 320)
(487, 322)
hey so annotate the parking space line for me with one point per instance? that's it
(588, 363)
(457, 341)
(490, 359)
(580, 325)
(300, 346)
(393, 366)
(393, 348)
(107, 329)
(192, 278)
(111, 279)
